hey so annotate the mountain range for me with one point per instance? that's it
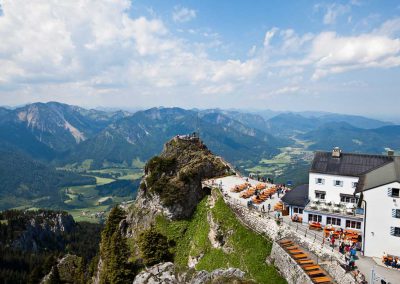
(37, 138)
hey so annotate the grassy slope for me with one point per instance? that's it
(191, 237)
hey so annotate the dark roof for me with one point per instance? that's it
(348, 164)
(386, 174)
(298, 196)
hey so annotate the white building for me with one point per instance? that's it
(333, 179)
(378, 191)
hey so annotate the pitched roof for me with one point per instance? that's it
(298, 196)
(386, 174)
(348, 164)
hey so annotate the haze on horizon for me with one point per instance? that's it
(340, 57)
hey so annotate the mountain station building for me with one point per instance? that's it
(358, 192)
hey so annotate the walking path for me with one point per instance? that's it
(262, 222)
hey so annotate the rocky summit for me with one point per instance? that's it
(172, 183)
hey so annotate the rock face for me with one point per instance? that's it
(172, 182)
(43, 227)
(165, 273)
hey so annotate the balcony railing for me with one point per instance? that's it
(342, 208)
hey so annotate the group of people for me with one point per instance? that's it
(346, 247)
(391, 261)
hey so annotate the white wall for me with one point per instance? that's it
(379, 220)
(332, 192)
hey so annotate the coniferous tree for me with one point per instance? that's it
(154, 247)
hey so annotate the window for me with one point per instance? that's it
(347, 198)
(394, 192)
(338, 183)
(320, 194)
(396, 213)
(354, 184)
(298, 210)
(319, 181)
(395, 231)
(314, 218)
(353, 224)
(333, 221)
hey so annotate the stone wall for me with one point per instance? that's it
(287, 266)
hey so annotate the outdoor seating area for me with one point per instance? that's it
(310, 267)
(248, 193)
(345, 235)
(264, 195)
(391, 261)
(315, 226)
(240, 187)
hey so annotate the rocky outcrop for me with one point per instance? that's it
(172, 183)
(68, 269)
(40, 229)
(166, 273)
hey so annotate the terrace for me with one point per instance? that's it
(342, 209)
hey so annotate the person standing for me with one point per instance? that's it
(269, 207)
(333, 241)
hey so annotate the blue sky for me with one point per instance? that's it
(338, 56)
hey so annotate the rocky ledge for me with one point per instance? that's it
(166, 273)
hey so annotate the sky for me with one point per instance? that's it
(336, 56)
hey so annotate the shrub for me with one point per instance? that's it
(154, 247)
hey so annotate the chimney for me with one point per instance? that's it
(336, 152)
(390, 153)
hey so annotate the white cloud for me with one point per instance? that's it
(335, 54)
(182, 14)
(103, 48)
(269, 35)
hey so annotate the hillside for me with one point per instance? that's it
(32, 241)
(27, 182)
(353, 139)
(175, 220)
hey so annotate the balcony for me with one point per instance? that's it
(342, 208)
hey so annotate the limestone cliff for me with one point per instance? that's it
(172, 183)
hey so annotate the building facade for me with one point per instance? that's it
(379, 194)
(333, 179)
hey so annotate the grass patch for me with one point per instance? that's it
(191, 238)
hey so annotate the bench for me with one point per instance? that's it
(300, 255)
(295, 251)
(305, 261)
(315, 272)
(323, 279)
(311, 267)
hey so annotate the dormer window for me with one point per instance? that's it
(338, 183)
(319, 181)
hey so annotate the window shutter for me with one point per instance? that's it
(392, 231)
(389, 192)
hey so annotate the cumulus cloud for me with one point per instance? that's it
(182, 14)
(102, 48)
